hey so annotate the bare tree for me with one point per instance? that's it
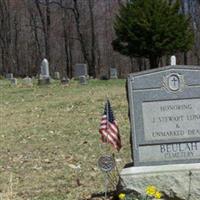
(5, 35)
(44, 14)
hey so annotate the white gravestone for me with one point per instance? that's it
(27, 81)
(45, 68)
(44, 77)
(173, 60)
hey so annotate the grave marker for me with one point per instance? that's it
(13, 81)
(9, 76)
(173, 60)
(113, 73)
(83, 80)
(28, 81)
(80, 70)
(165, 115)
(57, 75)
(165, 129)
(44, 77)
(64, 81)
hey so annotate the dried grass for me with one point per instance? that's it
(46, 132)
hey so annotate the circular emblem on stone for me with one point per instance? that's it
(106, 163)
(174, 82)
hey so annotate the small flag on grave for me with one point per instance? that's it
(108, 128)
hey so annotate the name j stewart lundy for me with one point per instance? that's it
(175, 107)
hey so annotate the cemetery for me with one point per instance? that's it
(100, 100)
(40, 136)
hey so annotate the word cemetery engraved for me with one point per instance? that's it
(106, 163)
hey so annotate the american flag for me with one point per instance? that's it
(108, 128)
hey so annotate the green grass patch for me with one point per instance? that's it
(45, 131)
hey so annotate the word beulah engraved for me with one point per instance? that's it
(170, 152)
(174, 82)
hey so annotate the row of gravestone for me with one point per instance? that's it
(80, 72)
(27, 81)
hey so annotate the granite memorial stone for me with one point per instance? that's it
(44, 77)
(113, 73)
(165, 129)
(80, 70)
(9, 76)
(57, 75)
(173, 60)
(28, 81)
(64, 81)
(165, 115)
(13, 81)
(83, 80)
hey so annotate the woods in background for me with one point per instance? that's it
(67, 32)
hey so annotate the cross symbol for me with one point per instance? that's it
(174, 80)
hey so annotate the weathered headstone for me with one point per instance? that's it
(165, 126)
(113, 73)
(173, 60)
(9, 76)
(13, 81)
(28, 81)
(44, 77)
(57, 75)
(64, 81)
(83, 80)
(80, 70)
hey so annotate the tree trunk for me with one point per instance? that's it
(66, 45)
(5, 36)
(154, 61)
(80, 35)
(92, 71)
(45, 21)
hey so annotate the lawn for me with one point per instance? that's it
(46, 132)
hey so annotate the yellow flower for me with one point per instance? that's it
(158, 195)
(122, 196)
(151, 190)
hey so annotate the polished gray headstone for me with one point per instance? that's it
(165, 115)
(113, 73)
(80, 70)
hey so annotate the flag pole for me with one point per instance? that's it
(106, 175)
(107, 116)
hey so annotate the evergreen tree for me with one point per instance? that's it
(151, 29)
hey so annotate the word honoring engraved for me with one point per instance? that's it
(175, 119)
(167, 152)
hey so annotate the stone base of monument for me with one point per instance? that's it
(183, 180)
(43, 81)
